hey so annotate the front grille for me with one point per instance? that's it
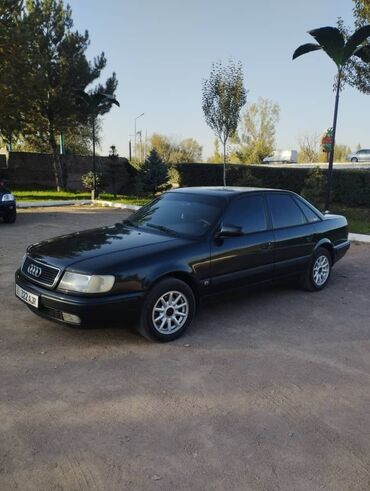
(40, 272)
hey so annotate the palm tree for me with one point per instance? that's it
(332, 41)
(94, 104)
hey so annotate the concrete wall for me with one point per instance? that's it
(35, 170)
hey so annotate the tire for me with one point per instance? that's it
(11, 218)
(158, 305)
(354, 159)
(318, 272)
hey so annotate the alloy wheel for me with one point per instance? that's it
(321, 270)
(170, 312)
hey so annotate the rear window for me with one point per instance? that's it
(309, 213)
(284, 211)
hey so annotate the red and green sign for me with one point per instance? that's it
(327, 140)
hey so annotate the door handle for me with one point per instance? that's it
(267, 245)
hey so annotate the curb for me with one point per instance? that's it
(71, 202)
(359, 238)
(44, 204)
(112, 204)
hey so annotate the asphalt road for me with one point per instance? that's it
(269, 390)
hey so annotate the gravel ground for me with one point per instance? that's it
(269, 390)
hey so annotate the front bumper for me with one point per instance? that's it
(90, 310)
(6, 208)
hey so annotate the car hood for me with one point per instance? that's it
(68, 250)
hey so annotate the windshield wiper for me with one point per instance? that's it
(162, 228)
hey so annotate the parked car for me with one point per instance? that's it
(186, 244)
(8, 208)
(283, 156)
(359, 156)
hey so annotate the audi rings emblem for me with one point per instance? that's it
(34, 270)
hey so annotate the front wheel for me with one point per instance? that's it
(318, 272)
(168, 310)
(354, 159)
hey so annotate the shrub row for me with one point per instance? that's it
(351, 187)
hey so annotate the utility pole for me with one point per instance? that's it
(137, 117)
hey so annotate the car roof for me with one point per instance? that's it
(227, 191)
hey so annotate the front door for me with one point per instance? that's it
(247, 258)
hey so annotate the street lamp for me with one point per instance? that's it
(137, 117)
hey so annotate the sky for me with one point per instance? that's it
(161, 50)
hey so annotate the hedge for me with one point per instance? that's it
(351, 187)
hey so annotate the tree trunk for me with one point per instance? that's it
(95, 195)
(331, 156)
(224, 164)
(58, 173)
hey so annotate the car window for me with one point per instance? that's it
(284, 211)
(309, 213)
(248, 213)
(182, 213)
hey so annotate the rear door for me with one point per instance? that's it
(293, 235)
(248, 258)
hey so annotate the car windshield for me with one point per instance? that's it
(184, 214)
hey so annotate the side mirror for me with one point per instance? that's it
(229, 231)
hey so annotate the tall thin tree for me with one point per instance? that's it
(93, 105)
(331, 40)
(224, 96)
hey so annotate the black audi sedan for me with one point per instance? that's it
(184, 245)
(8, 207)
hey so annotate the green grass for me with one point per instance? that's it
(50, 195)
(358, 218)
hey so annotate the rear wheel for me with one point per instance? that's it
(354, 159)
(168, 310)
(318, 272)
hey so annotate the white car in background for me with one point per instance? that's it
(359, 156)
(282, 156)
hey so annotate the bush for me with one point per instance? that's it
(154, 174)
(314, 187)
(88, 181)
(350, 187)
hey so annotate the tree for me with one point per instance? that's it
(173, 152)
(15, 70)
(314, 187)
(224, 96)
(357, 73)
(162, 145)
(153, 173)
(61, 68)
(187, 151)
(258, 127)
(332, 41)
(92, 105)
(309, 149)
(216, 158)
(361, 11)
(115, 170)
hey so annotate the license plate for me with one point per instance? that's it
(27, 297)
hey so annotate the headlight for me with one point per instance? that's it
(8, 197)
(83, 283)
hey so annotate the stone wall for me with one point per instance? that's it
(26, 170)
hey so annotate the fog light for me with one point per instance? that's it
(73, 319)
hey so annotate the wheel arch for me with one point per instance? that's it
(182, 276)
(326, 244)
